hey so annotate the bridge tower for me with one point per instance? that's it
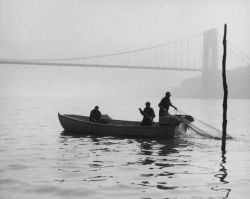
(210, 62)
(210, 51)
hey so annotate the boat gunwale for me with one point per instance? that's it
(113, 125)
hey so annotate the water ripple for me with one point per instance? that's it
(40, 161)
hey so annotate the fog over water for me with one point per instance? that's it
(40, 160)
(33, 29)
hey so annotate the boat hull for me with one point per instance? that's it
(80, 125)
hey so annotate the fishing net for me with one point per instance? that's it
(201, 128)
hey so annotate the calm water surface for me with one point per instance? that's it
(38, 160)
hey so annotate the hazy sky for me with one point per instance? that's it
(75, 28)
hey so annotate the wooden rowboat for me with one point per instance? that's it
(81, 125)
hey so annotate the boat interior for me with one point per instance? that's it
(111, 121)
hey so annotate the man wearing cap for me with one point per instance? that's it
(148, 115)
(164, 105)
(95, 115)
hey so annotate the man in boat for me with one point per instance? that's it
(95, 115)
(148, 115)
(164, 105)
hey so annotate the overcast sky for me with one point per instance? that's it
(75, 28)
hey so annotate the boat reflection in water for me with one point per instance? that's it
(160, 158)
(153, 159)
(136, 166)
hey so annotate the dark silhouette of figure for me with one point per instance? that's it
(164, 105)
(95, 115)
(148, 115)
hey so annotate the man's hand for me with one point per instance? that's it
(141, 111)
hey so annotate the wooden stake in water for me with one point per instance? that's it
(224, 123)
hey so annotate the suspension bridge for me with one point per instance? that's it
(199, 53)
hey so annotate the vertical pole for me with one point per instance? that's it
(224, 123)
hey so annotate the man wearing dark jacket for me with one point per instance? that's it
(148, 115)
(164, 105)
(95, 115)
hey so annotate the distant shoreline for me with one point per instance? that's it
(238, 86)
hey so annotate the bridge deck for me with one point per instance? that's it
(27, 62)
